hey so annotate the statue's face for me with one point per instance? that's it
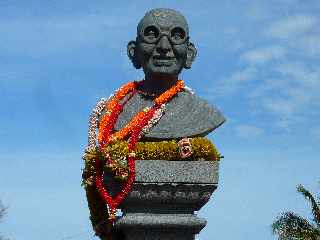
(162, 43)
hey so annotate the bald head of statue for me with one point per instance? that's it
(162, 47)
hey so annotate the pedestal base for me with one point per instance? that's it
(164, 198)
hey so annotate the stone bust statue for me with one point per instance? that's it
(162, 49)
(154, 110)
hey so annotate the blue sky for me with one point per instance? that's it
(258, 62)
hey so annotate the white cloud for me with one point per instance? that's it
(286, 97)
(315, 132)
(257, 10)
(310, 43)
(306, 75)
(291, 26)
(31, 36)
(269, 85)
(263, 55)
(229, 85)
(300, 95)
(248, 131)
(280, 106)
(287, 76)
(242, 76)
(300, 33)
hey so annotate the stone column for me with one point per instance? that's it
(164, 198)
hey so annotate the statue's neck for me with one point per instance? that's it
(158, 84)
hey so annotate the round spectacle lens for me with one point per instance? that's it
(177, 35)
(151, 34)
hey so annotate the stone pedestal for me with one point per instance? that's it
(164, 198)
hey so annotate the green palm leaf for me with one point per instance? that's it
(2, 213)
(314, 205)
(3, 210)
(290, 226)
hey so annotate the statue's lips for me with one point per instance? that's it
(163, 60)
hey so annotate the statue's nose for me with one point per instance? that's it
(163, 45)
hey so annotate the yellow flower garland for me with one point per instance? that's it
(202, 149)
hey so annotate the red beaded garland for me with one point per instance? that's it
(105, 136)
(113, 203)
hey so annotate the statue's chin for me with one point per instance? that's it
(163, 68)
(163, 72)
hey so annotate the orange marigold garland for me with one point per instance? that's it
(117, 108)
(166, 96)
(138, 126)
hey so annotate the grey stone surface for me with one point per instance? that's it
(164, 198)
(202, 172)
(167, 197)
(186, 115)
(164, 234)
(187, 221)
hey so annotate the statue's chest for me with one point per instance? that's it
(184, 116)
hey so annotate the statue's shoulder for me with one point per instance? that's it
(186, 115)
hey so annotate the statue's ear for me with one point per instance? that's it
(131, 51)
(191, 55)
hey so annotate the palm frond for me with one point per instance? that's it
(314, 205)
(290, 226)
(2, 210)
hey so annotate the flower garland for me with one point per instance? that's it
(169, 150)
(118, 165)
(113, 202)
(114, 109)
(138, 126)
